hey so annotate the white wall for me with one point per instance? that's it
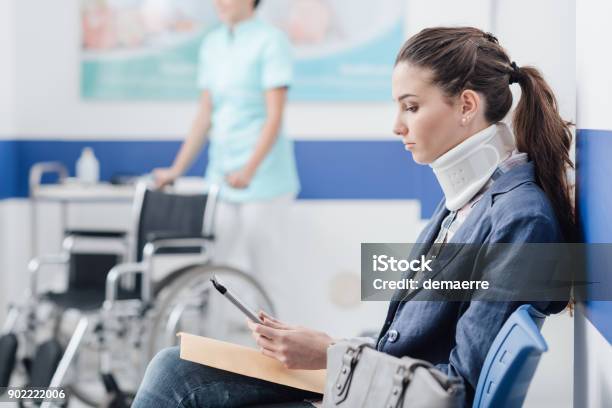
(593, 359)
(543, 33)
(593, 61)
(540, 33)
(556, 368)
(423, 14)
(7, 69)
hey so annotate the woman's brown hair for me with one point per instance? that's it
(467, 58)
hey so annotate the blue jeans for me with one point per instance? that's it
(172, 382)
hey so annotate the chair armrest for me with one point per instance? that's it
(37, 263)
(155, 246)
(163, 235)
(152, 248)
(112, 281)
(101, 244)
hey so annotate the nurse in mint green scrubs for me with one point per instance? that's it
(245, 70)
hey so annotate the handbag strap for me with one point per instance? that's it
(401, 380)
(349, 361)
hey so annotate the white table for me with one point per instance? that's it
(70, 191)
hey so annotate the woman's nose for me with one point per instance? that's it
(400, 129)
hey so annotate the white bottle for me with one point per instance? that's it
(87, 167)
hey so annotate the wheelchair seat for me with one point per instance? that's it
(87, 278)
(84, 299)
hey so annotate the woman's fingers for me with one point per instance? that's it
(264, 315)
(266, 331)
(271, 341)
(255, 332)
(250, 324)
(267, 344)
(298, 347)
(273, 322)
(231, 180)
(257, 336)
(270, 354)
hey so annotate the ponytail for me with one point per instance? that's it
(546, 138)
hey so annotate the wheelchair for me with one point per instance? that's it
(120, 309)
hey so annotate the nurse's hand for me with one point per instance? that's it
(295, 346)
(164, 176)
(239, 179)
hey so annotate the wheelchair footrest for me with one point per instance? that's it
(8, 355)
(45, 362)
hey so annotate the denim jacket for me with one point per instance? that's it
(456, 336)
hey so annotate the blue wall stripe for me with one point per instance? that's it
(380, 170)
(8, 168)
(594, 168)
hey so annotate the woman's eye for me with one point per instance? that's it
(410, 108)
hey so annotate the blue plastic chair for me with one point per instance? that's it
(511, 361)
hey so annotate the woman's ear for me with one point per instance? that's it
(470, 104)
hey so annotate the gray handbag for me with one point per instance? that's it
(360, 376)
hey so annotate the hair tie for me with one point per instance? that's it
(490, 37)
(515, 74)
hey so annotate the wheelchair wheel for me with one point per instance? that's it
(190, 304)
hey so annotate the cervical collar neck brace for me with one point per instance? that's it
(466, 168)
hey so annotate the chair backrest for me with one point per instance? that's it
(511, 361)
(165, 213)
(160, 213)
(92, 254)
(88, 271)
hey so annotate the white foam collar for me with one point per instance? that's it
(466, 168)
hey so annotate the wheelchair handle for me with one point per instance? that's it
(38, 170)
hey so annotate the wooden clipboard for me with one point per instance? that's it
(247, 361)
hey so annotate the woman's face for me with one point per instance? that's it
(233, 11)
(429, 123)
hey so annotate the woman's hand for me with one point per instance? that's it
(239, 179)
(295, 346)
(165, 176)
(275, 104)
